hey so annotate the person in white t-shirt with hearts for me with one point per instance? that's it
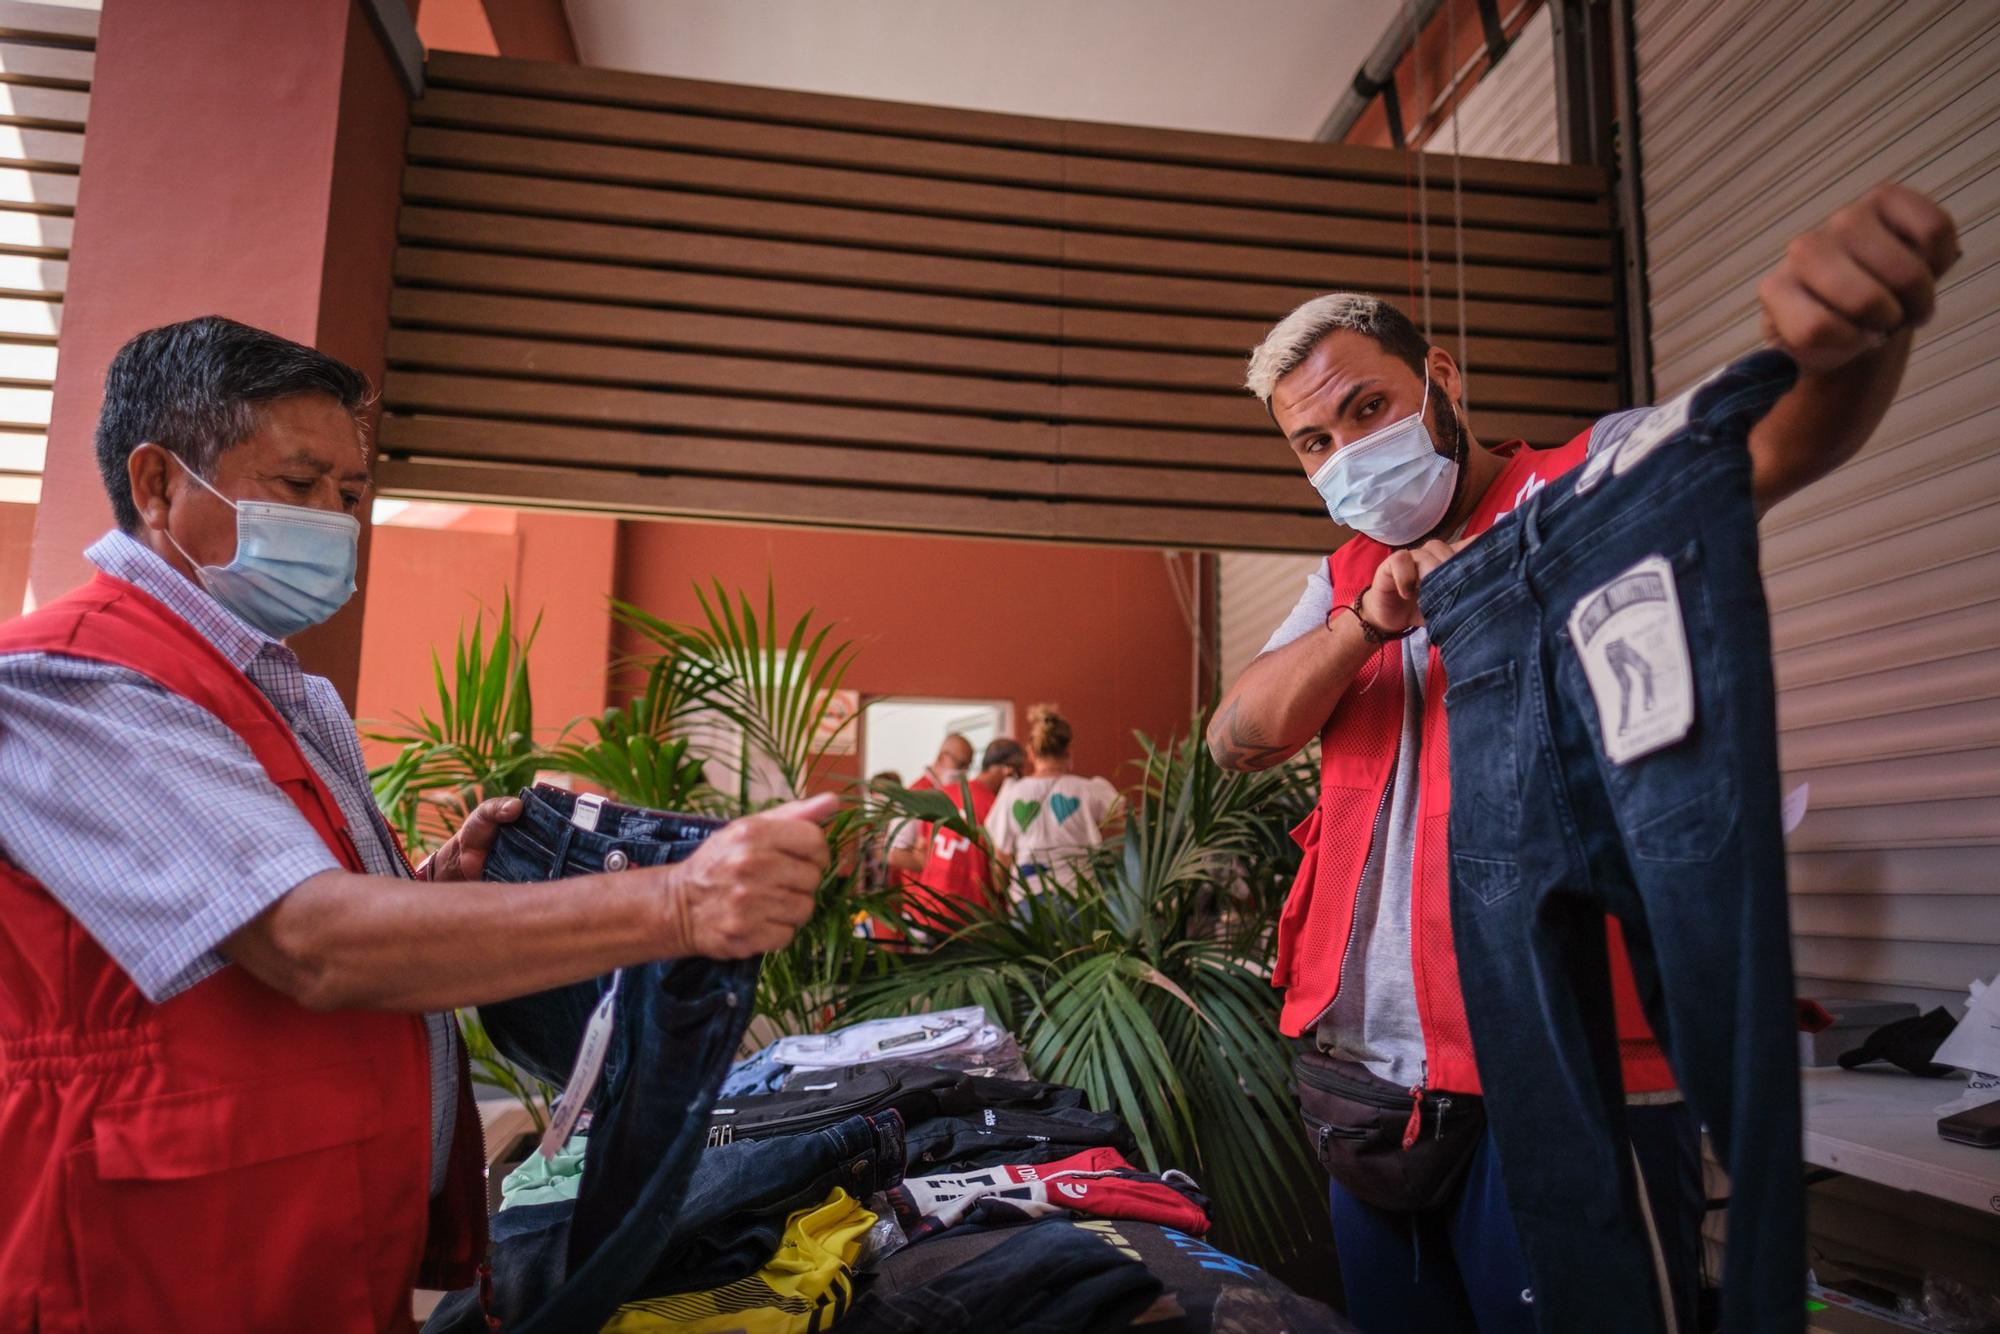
(1052, 817)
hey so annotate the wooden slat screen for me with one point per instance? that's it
(663, 296)
(46, 57)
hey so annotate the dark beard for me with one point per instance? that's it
(1448, 433)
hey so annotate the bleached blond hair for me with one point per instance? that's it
(1293, 338)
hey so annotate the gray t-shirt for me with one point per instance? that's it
(1373, 1018)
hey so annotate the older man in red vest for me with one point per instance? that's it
(1372, 413)
(229, 1083)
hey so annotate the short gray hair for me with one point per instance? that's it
(197, 388)
(1293, 338)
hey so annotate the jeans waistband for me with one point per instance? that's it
(1604, 495)
(640, 836)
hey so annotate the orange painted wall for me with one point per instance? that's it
(17, 530)
(1094, 630)
(529, 29)
(424, 583)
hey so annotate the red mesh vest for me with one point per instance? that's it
(1358, 762)
(225, 1159)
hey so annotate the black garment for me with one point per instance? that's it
(1045, 1278)
(1204, 1290)
(997, 1136)
(918, 1093)
(1907, 1043)
(676, 1026)
(1581, 789)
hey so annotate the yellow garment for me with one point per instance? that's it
(802, 1289)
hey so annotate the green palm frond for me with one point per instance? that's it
(479, 742)
(776, 686)
(1125, 977)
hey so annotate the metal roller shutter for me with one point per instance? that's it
(1757, 119)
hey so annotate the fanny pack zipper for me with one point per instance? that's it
(1328, 1082)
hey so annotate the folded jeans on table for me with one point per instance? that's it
(1613, 748)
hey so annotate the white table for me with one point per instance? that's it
(1881, 1126)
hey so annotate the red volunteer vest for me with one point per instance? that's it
(1358, 763)
(226, 1159)
(956, 868)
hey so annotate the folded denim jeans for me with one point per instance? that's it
(676, 1025)
(1614, 749)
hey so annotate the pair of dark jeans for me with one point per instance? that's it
(1050, 1278)
(1680, 844)
(676, 1027)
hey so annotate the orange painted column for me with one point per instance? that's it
(243, 160)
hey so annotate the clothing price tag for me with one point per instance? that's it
(1633, 644)
(583, 1076)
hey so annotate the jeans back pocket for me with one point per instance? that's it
(1485, 782)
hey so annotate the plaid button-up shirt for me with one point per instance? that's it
(152, 823)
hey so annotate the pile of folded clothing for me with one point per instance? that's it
(893, 1195)
(895, 1176)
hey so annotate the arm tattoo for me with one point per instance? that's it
(1237, 743)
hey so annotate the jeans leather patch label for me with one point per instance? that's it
(1633, 643)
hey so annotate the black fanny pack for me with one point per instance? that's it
(1399, 1149)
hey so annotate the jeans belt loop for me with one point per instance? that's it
(560, 861)
(1528, 541)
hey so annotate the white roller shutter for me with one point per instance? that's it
(1511, 112)
(1758, 118)
(1258, 591)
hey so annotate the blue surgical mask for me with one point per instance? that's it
(294, 566)
(1391, 484)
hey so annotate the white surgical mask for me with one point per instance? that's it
(1391, 484)
(294, 567)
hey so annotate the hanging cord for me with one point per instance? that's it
(1458, 219)
(1423, 192)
